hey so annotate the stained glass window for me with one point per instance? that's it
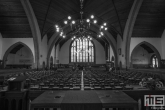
(82, 50)
(155, 61)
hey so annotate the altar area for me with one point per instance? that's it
(83, 100)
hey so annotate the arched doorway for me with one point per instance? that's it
(19, 55)
(142, 54)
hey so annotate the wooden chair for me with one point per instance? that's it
(45, 88)
(108, 88)
(97, 88)
(76, 88)
(55, 88)
(118, 88)
(87, 88)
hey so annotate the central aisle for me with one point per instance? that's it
(82, 81)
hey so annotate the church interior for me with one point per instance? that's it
(82, 54)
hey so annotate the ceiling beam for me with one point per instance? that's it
(128, 30)
(46, 16)
(35, 31)
(118, 19)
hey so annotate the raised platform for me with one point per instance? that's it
(84, 100)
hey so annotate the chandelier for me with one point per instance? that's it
(81, 27)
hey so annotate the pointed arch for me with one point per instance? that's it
(95, 27)
(152, 47)
(35, 30)
(129, 29)
(11, 48)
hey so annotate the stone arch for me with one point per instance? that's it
(95, 27)
(35, 30)
(12, 47)
(129, 29)
(152, 47)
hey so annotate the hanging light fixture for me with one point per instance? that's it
(81, 26)
(60, 30)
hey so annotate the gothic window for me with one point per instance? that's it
(154, 61)
(82, 50)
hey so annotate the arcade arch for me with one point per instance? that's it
(19, 55)
(142, 54)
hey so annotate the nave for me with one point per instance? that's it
(82, 54)
(80, 84)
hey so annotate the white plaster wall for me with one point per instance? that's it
(7, 42)
(100, 53)
(1, 40)
(156, 42)
(10, 59)
(53, 53)
(64, 53)
(44, 50)
(163, 45)
(140, 56)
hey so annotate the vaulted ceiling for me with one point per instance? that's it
(150, 21)
(14, 23)
(51, 12)
(13, 20)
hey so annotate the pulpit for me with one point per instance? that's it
(17, 84)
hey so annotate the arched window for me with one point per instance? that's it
(154, 62)
(82, 50)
